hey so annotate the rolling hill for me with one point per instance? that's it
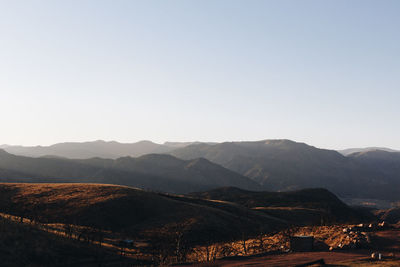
(153, 172)
(220, 214)
(160, 224)
(132, 211)
(307, 206)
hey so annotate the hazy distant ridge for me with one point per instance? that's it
(102, 149)
(154, 171)
(350, 151)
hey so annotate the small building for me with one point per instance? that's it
(301, 243)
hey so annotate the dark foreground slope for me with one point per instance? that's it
(26, 245)
(307, 206)
(281, 165)
(153, 172)
(133, 211)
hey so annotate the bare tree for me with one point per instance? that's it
(287, 235)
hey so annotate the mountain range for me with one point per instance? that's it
(281, 165)
(99, 148)
(272, 165)
(154, 172)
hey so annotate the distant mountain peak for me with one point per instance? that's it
(349, 151)
(145, 142)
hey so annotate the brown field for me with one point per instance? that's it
(98, 217)
(127, 209)
(157, 222)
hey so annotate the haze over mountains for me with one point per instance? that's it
(274, 165)
(350, 151)
(102, 149)
(114, 150)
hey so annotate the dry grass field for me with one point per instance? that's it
(171, 228)
(386, 242)
(159, 224)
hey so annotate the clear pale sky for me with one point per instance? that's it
(322, 72)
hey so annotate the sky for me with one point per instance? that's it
(322, 72)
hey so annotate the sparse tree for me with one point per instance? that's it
(287, 234)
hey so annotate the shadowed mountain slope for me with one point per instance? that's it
(287, 165)
(387, 163)
(198, 171)
(154, 172)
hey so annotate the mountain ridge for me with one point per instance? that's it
(153, 171)
(282, 165)
(274, 164)
(98, 148)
